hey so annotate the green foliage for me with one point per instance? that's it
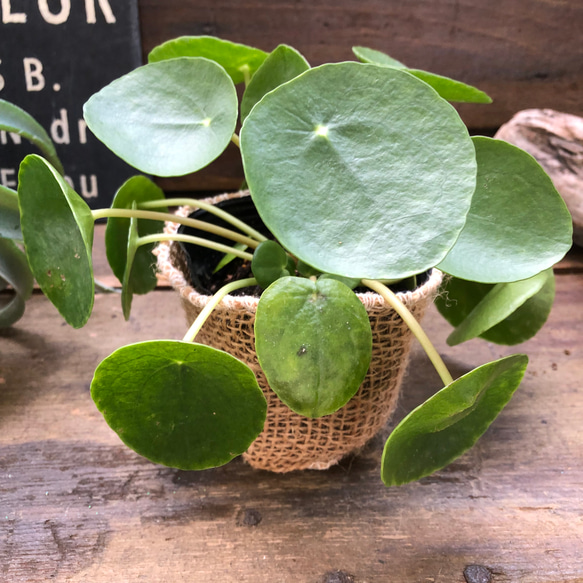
(449, 89)
(14, 271)
(270, 262)
(313, 342)
(166, 401)
(239, 61)
(16, 120)
(130, 275)
(167, 118)
(364, 174)
(518, 224)
(58, 239)
(136, 190)
(9, 214)
(505, 313)
(450, 422)
(282, 65)
(336, 185)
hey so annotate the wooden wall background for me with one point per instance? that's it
(523, 53)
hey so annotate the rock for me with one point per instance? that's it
(555, 139)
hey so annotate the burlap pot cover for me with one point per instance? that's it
(290, 441)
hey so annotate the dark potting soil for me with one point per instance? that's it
(202, 262)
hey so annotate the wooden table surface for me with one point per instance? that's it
(77, 505)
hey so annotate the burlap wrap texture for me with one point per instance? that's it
(290, 441)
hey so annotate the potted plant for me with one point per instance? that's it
(365, 177)
(14, 270)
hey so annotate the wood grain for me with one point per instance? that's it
(524, 53)
(76, 505)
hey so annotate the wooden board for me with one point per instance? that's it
(524, 53)
(76, 505)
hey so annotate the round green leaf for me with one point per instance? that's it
(347, 281)
(449, 89)
(366, 55)
(528, 319)
(459, 297)
(179, 404)
(15, 272)
(137, 189)
(508, 313)
(16, 120)
(9, 214)
(451, 421)
(269, 263)
(57, 228)
(240, 61)
(168, 118)
(518, 224)
(313, 341)
(500, 302)
(282, 65)
(369, 172)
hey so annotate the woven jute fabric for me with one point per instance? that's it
(290, 441)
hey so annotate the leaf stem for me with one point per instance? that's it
(235, 140)
(213, 303)
(414, 326)
(196, 241)
(211, 208)
(195, 223)
(246, 70)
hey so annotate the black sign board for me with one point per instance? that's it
(54, 54)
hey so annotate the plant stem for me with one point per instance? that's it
(195, 223)
(213, 303)
(102, 288)
(196, 241)
(211, 208)
(414, 326)
(235, 140)
(246, 73)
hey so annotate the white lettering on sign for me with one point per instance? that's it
(85, 190)
(60, 17)
(60, 128)
(33, 76)
(105, 8)
(5, 180)
(51, 17)
(2, 82)
(82, 127)
(9, 17)
(16, 139)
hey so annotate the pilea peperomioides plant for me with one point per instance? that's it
(14, 270)
(365, 176)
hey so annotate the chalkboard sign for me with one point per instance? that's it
(54, 54)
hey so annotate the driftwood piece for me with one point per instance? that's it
(555, 139)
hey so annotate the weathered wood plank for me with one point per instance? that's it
(524, 53)
(76, 505)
